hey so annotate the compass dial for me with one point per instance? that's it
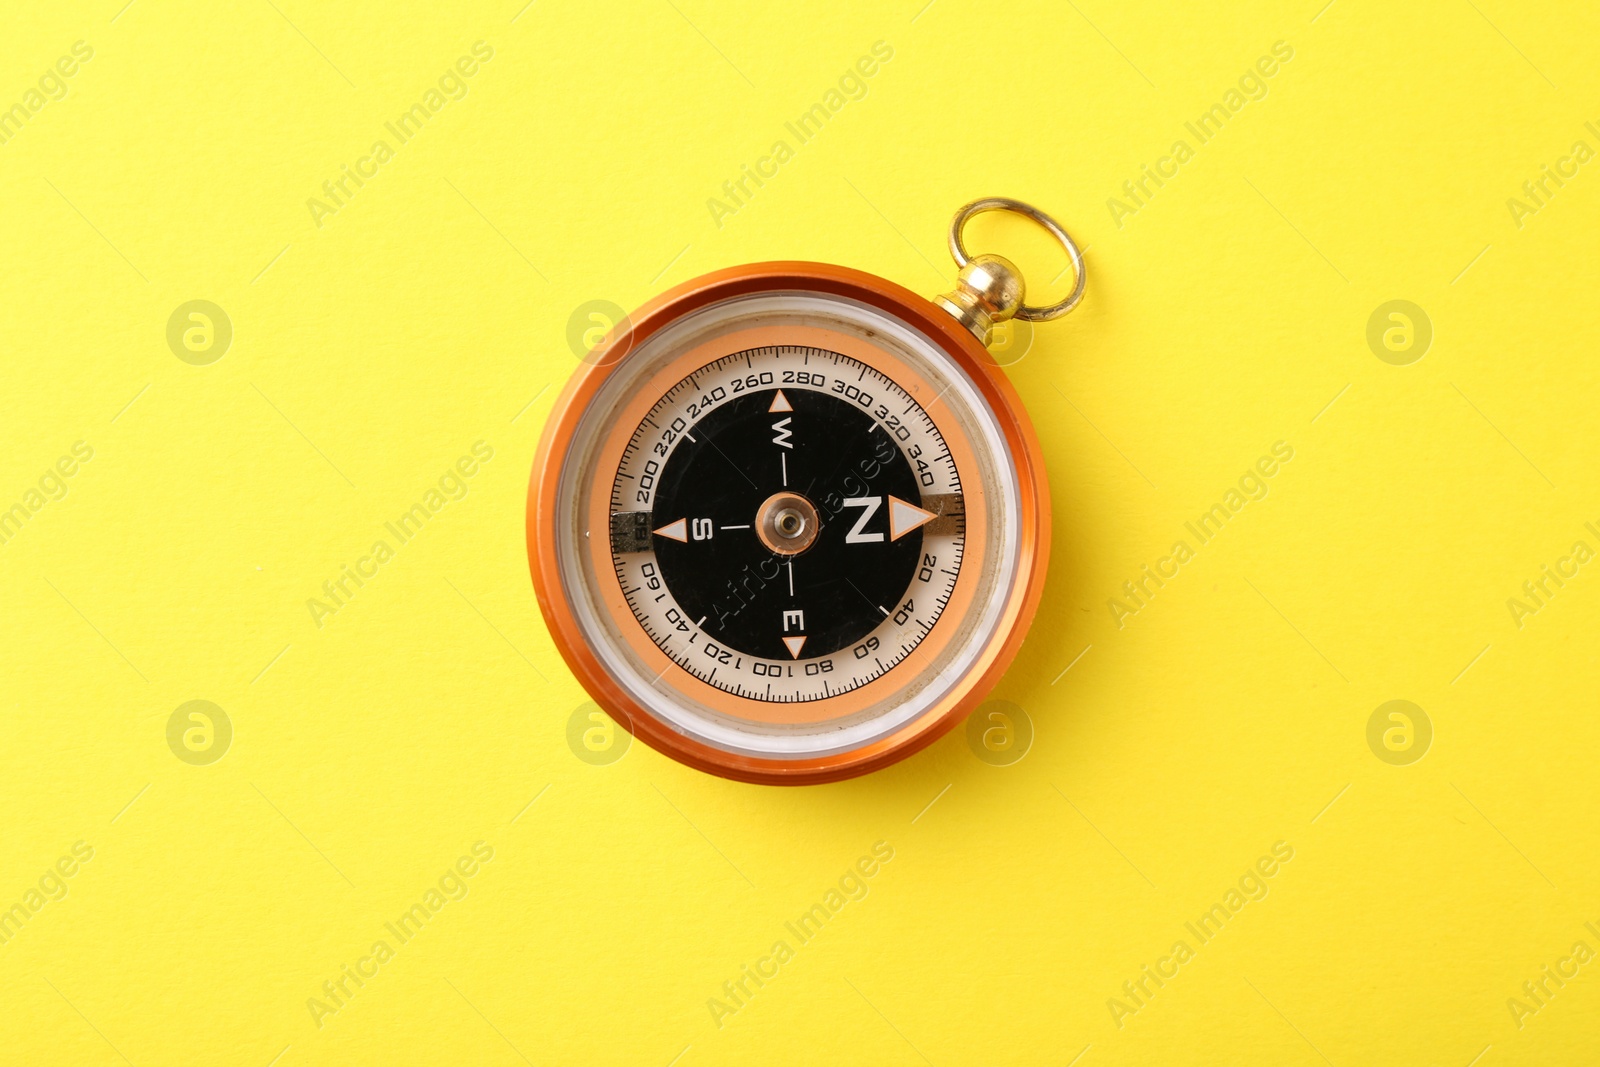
(802, 513)
(785, 526)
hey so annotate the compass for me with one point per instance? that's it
(789, 522)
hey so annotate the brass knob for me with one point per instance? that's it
(989, 289)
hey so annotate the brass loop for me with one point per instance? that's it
(1002, 203)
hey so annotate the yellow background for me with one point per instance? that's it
(1229, 713)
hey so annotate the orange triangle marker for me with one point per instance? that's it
(781, 403)
(903, 518)
(794, 645)
(678, 531)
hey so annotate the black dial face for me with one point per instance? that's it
(787, 523)
(831, 571)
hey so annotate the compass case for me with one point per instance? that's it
(553, 475)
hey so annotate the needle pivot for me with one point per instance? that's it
(787, 523)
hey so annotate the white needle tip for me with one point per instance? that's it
(678, 531)
(904, 517)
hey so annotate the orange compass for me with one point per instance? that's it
(789, 522)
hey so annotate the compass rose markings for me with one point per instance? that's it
(678, 530)
(692, 484)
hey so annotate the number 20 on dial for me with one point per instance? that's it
(789, 522)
